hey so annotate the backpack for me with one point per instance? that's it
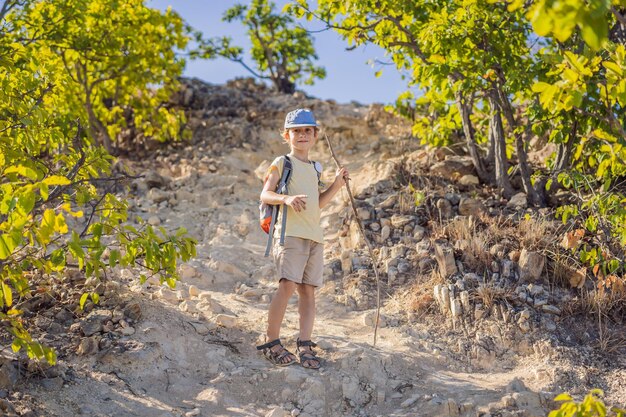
(269, 213)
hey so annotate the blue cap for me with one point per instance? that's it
(300, 118)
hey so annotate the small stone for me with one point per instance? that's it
(193, 291)
(518, 202)
(410, 401)
(88, 346)
(551, 309)
(531, 265)
(154, 221)
(535, 290)
(389, 202)
(470, 206)
(93, 322)
(363, 213)
(226, 320)
(52, 384)
(9, 375)
(385, 232)
(445, 208)
(375, 227)
(277, 412)
(187, 272)
(117, 315)
(133, 311)
(469, 180)
(398, 221)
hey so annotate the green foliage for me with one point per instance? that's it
(560, 19)
(591, 406)
(503, 73)
(64, 65)
(114, 59)
(282, 51)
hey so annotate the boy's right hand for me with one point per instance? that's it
(296, 202)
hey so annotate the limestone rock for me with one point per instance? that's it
(88, 346)
(445, 209)
(226, 320)
(445, 259)
(469, 180)
(452, 167)
(154, 221)
(518, 201)
(384, 233)
(531, 265)
(93, 322)
(133, 311)
(470, 206)
(9, 375)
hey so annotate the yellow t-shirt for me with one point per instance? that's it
(303, 180)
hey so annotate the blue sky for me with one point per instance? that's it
(349, 76)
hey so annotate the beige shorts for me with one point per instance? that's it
(300, 261)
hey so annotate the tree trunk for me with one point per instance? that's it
(522, 156)
(468, 130)
(496, 131)
(96, 128)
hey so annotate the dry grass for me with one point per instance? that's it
(417, 298)
(489, 294)
(474, 236)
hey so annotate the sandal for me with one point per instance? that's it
(278, 356)
(308, 355)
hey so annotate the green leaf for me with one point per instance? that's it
(56, 180)
(7, 245)
(23, 171)
(83, 299)
(594, 30)
(8, 295)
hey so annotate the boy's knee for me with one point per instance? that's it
(287, 285)
(306, 290)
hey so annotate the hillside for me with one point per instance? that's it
(476, 319)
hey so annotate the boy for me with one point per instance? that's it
(300, 261)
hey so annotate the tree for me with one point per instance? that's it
(283, 52)
(473, 54)
(482, 69)
(53, 171)
(120, 60)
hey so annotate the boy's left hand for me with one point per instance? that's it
(342, 176)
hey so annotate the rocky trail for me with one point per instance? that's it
(149, 350)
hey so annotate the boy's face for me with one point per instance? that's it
(301, 138)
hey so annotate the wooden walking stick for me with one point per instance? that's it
(367, 242)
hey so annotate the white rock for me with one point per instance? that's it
(205, 295)
(154, 221)
(128, 331)
(277, 412)
(187, 306)
(551, 309)
(385, 232)
(226, 320)
(187, 271)
(193, 291)
(531, 265)
(469, 180)
(518, 201)
(410, 401)
(169, 295)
